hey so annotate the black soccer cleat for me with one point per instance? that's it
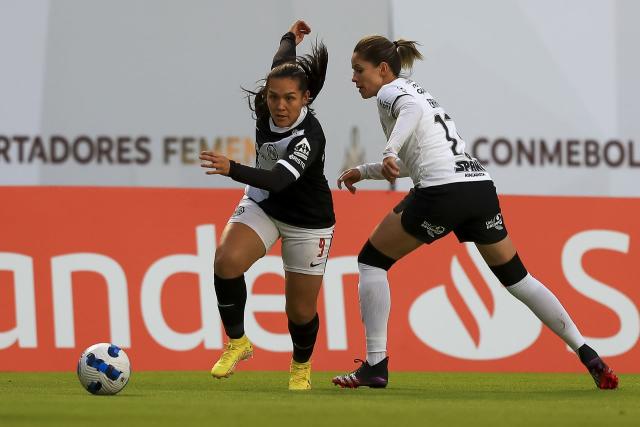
(603, 375)
(376, 376)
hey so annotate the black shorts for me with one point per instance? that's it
(470, 209)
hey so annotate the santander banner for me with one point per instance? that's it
(134, 267)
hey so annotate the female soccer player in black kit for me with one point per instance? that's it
(287, 196)
(452, 192)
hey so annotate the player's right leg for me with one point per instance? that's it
(244, 240)
(388, 243)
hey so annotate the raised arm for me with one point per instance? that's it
(287, 50)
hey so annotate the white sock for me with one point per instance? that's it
(375, 357)
(375, 303)
(548, 309)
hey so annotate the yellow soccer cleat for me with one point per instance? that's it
(237, 350)
(300, 376)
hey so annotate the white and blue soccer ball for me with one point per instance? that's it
(104, 369)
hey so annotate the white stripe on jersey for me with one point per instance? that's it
(434, 153)
(289, 167)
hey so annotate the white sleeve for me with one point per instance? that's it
(387, 97)
(409, 114)
(370, 171)
(374, 170)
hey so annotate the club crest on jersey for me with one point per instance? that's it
(272, 152)
(302, 149)
(495, 222)
(432, 230)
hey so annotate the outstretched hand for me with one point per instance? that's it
(219, 164)
(349, 177)
(300, 29)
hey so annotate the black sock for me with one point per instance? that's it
(304, 338)
(586, 354)
(232, 297)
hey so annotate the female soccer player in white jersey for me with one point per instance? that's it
(287, 196)
(452, 192)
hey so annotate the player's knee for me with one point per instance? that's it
(369, 255)
(228, 263)
(299, 312)
(510, 272)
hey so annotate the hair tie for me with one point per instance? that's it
(395, 43)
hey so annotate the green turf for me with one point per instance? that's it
(262, 399)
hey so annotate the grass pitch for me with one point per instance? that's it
(262, 399)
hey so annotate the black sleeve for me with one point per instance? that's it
(287, 50)
(276, 179)
(302, 152)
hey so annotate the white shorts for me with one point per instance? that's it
(304, 250)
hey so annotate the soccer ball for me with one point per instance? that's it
(104, 369)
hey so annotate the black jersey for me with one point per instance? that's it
(288, 180)
(307, 202)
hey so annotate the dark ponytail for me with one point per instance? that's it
(399, 54)
(309, 70)
(315, 68)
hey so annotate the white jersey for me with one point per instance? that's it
(430, 149)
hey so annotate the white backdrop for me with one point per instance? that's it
(134, 86)
(543, 73)
(123, 93)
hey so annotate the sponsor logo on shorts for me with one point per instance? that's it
(432, 230)
(239, 211)
(495, 222)
(315, 264)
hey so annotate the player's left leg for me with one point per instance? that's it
(505, 263)
(304, 254)
(485, 226)
(301, 295)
